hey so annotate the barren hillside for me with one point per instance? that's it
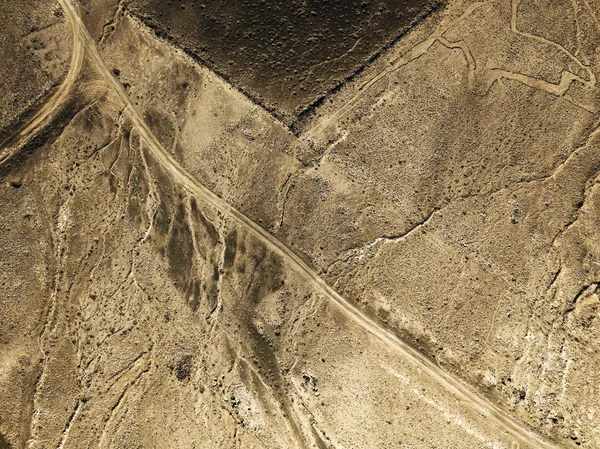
(322, 224)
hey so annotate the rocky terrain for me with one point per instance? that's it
(300, 224)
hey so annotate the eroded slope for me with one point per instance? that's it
(156, 317)
(445, 191)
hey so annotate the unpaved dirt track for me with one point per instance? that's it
(47, 112)
(464, 393)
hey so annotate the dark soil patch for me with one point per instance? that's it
(285, 54)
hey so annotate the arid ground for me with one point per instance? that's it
(334, 224)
